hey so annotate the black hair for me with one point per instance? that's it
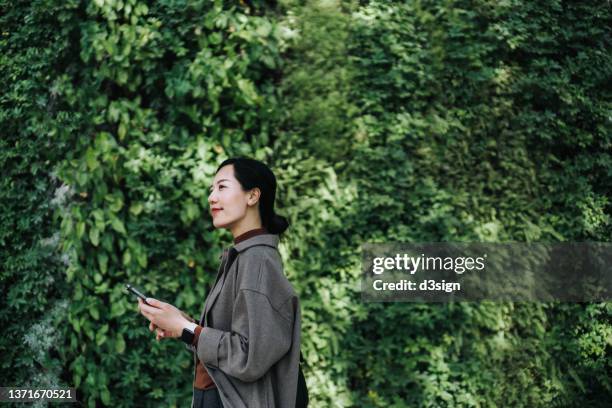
(252, 173)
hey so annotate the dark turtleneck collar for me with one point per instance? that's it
(249, 234)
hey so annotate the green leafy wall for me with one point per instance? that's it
(383, 121)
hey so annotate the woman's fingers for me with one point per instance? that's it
(141, 307)
(156, 303)
(160, 334)
(148, 311)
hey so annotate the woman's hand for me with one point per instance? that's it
(159, 333)
(165, 318)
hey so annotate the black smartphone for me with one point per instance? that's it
(136, 292)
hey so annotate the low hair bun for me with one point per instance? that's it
(278, 224)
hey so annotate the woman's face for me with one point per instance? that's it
(227, 200)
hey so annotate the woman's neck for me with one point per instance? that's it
(251, 233)
(245, 227)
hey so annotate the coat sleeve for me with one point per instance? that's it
(260, 336)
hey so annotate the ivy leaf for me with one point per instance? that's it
(141, 257)
(127, 257)
(103, 262)
(119, 344)
(121, 131)
(116, 203)
(90, 158)
(117, 309)
(136, 208)
(118, 226)
(105, 396)
(94, 236)
(80, 229)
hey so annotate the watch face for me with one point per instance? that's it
(187, 336)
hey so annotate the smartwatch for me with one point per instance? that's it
(187, 336)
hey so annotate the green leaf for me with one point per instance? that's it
(248, 90)
(103, 262)
(101, 289)
(98, 216)
(117, 309)
(118, 226)
(120, 344)
(80, 229)
(116, 203)
(264, 29)
(136, 208)
(105, 396)
(94, 236)
(90, 158)
(127, 257)
(121, 131)
(75, 324)
(93, 311)
(100, 338)
(141, 257)
(82, 178)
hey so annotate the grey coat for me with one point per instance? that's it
(250, 343)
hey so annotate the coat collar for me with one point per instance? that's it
(261, 239)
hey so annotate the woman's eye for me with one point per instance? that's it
(220, 187)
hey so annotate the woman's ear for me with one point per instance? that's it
(254, 195)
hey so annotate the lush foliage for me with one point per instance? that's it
(32, 272)
(384, 121)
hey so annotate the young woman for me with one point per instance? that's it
(247, 342)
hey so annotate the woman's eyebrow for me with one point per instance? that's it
(218, 181)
